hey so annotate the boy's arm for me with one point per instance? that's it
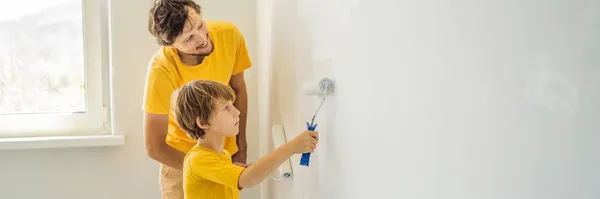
(259, 170)
(213, 168)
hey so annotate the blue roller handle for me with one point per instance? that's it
(306, 156)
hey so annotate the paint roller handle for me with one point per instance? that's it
(305, 159)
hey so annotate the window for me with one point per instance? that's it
(53, 68)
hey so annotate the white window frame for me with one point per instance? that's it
(56, 130)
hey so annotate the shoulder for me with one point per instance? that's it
(198, 155)
(224, 28)
(164, 57)
(201, 161)
(161, 62)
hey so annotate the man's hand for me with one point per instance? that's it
(241, 164)
(239, 157)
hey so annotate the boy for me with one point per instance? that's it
(204, 109)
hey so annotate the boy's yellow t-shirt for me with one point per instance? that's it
(208, 174)
(166, 72)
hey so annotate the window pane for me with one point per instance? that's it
(41, 57)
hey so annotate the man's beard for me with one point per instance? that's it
(203, 54)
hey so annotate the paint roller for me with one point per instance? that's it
(323, 87)
(279, 138)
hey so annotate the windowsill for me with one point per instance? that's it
(61, 142)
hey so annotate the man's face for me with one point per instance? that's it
(194, 39)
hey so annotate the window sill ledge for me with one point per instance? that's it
(61, 142)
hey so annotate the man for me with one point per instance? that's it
(192, 49)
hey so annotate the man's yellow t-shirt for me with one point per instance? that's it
(209, 174)
(166, 72)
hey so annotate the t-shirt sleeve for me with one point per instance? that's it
(242, 59)
(212, 168)
(158, 91)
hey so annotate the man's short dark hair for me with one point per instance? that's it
(168, 17)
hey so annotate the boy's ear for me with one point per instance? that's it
(200, 124)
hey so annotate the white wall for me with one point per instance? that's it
(437, 99)
(118, 172)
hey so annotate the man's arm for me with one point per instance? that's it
(155, 132)
(259, 170)
(238, 84)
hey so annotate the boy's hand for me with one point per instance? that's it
(305, 142)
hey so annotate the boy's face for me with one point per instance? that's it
(194, 39)
(225, 120)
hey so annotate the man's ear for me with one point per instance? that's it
(200, 124)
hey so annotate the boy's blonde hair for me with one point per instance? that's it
(198, 99)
